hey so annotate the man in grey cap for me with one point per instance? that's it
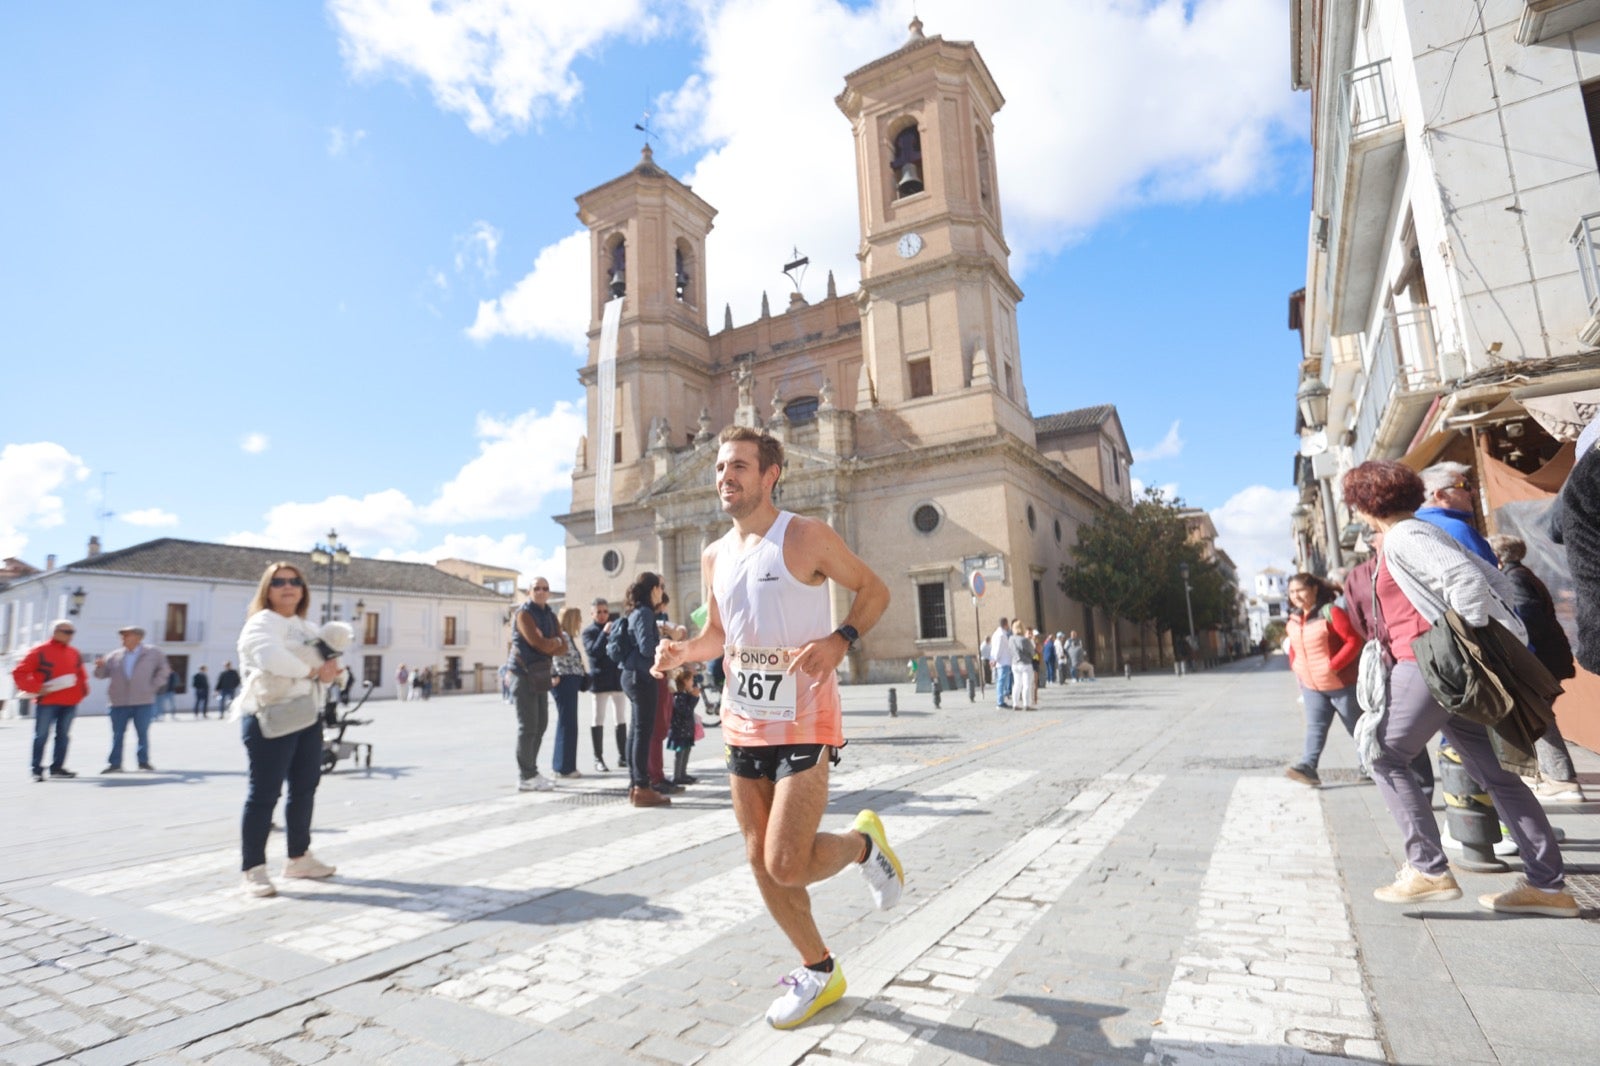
(136, 673)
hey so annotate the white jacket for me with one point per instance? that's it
(276, 657)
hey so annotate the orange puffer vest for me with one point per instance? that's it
(1311, 638)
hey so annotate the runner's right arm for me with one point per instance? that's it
(671, 654)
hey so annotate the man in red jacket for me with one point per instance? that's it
(53, 674)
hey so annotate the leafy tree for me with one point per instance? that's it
(1127, 563)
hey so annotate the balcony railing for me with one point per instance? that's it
(1367, 107)
(1404, 367)
(1588, 249)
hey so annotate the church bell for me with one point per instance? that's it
(910, 180)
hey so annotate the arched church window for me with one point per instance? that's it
(985, 186)
(801, 410)
(906, 162)
(617, 268)
(682, 272)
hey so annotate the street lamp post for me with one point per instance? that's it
(334, 556)
(1188, 606)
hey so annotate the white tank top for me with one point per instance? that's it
(763, 605)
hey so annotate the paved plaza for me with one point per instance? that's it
(1121, 876)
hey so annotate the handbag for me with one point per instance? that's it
(1372, 686)
(280, 719)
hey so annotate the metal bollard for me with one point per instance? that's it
(894, 705)
(1470, 816)
(1127, 671)
(972, 689)
(937, 689)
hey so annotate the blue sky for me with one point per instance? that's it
(274, 267)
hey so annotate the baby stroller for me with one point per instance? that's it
(711, 683)
(335, 746)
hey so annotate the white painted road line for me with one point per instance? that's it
(1270, 972)
(922, 968)
(568, 971)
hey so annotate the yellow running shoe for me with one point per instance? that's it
(881, 867)
(805, 992)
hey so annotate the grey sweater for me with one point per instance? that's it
(1436, 573)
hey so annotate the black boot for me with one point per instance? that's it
(597, 734)
(680, 768)
(622, 745)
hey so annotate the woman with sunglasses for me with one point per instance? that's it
(280, 663)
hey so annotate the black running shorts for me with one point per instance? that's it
(774, 762)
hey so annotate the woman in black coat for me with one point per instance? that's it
(1558, 781)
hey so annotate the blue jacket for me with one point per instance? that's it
(646, 635)
(1459, 525)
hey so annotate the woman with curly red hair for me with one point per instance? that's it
(1421, 573)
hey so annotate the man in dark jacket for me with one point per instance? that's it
(1579, 529)
(201, 682)
(605, 687)
(1558, 781)
(536, 636)
(227, 685)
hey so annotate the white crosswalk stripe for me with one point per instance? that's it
(916, 985)
(1270, 972)
(570, 970)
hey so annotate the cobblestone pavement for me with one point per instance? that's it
(1123, 876)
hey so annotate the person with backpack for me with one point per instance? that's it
(1323, 649)
(631, 644)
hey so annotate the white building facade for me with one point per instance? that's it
(1452, 277)
(191, 597)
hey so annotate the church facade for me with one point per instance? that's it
(902, 406)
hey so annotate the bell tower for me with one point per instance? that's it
(647, 239)
(938, 305)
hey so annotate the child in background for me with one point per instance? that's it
(681, 732)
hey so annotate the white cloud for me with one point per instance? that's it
(378, 518)
(520, 460)
(254, 443)
(1170, 447)
(30, 474)
(476, 249)
(340, 142)
(150, 516)
(1253, 528)
(497, 63)
(518, 463)
(510, 551)
(1110, 106)
(550, 302)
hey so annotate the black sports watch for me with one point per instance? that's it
(850, 636)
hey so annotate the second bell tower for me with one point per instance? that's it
(938, 305)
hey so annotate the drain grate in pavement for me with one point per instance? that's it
(1585, 888)
(1235, 763)
(595, 799)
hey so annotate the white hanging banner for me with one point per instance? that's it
(606, 385)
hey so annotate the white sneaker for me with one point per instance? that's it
(542, 783)
(307, 866)
(885, 877)
(257, 883)
(805, 993)
(1549, 791)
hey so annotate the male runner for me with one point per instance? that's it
(781, 716)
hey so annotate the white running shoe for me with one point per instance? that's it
(805, 992)
(307, 866)
(257, 883)
(882, 869)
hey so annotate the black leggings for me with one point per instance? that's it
(643, 691)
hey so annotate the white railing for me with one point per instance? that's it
(1588, 249)
(1403, 358)
(1366, 106)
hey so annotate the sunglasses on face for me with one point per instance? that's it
(64, 629)
(541, 588)
(289, 582)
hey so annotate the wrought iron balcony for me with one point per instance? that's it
(1405, 370)
(1585, 243)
